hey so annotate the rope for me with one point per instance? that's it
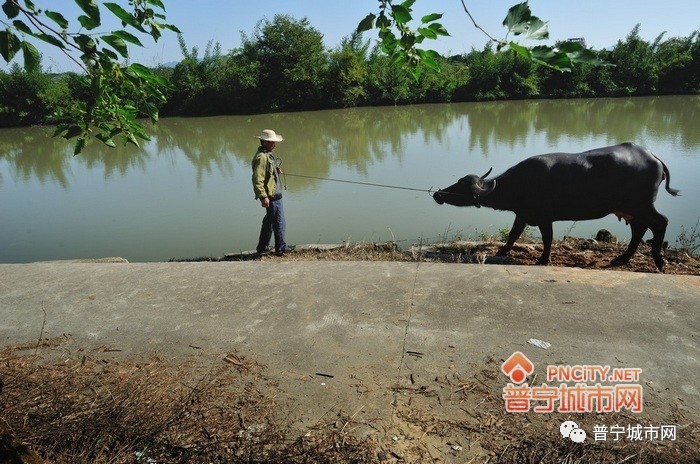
(430, 190)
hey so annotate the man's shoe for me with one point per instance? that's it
(286, 249)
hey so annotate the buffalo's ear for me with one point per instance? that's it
(488, 187)
(482, 187)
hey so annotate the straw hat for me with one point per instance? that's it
(270, 136)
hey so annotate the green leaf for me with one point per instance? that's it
(429, 59)
(408, 41)
(520, 50)
(157, 3)
(570, 47)
(57, 18)
(20, 26)
(124, 16)
(550, 57)
(587, 56)
(416, 72)
(108, 54)
(401, 14)
(408, 4)
(85, 43)
(439, 29)
(90, 8)
(389, 41)
(152, 112)
(127, 37)
(383, 22)
(155, 31)
(79, 145)
(32, 58)
(430, 18)
(60, 129)
(518, 18)
(366, 24)
(9, 45)
(131, 139)
(170, 27)
(146, 74)
(106, 139)
(30, 5)
(427, 33)
(51, 40)
(400, 58)
(87, 22)
(538, 29)
(11, 10)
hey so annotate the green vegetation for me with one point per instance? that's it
(107, 98)
(285, 66)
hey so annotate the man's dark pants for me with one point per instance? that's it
(273, 223)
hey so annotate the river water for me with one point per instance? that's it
(187, 193)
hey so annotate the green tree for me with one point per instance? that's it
(293, 63)
(198, 81)
(21, 97)
(636, 70)
(442, 87)
(387, 82)
(675, 63)
(348, 72)
(119, 93)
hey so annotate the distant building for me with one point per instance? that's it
(580, 40)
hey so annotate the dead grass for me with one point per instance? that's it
(74, 406)
(510, 438)
(85, 409)
(569, 252)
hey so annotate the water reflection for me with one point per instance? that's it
(358, 138)
(187, 192)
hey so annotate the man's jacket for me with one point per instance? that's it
(264, 175)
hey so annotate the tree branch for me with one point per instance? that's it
(466, 10)
(43, 28)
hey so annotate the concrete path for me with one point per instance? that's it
(331, 331)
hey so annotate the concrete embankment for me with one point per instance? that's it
(320, 326)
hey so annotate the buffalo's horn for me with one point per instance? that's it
(487, 174)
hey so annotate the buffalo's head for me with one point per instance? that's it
(467, 191)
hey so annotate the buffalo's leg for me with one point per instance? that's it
(514, 234)
(638, 228)
(658, 226)
(547, 237)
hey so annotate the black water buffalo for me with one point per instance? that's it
(621, 180)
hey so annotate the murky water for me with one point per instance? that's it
(188, 193)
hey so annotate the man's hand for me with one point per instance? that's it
(265, 202)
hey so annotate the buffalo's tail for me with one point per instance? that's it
(667, 175)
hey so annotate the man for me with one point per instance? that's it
(265, 186)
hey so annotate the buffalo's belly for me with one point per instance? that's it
(539, 217)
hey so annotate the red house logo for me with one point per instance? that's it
(517, 367)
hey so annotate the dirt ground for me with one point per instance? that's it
(74, 404)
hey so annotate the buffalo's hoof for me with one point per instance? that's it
(659, 261)
(619, 261)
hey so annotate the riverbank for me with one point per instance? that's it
(569, 252)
